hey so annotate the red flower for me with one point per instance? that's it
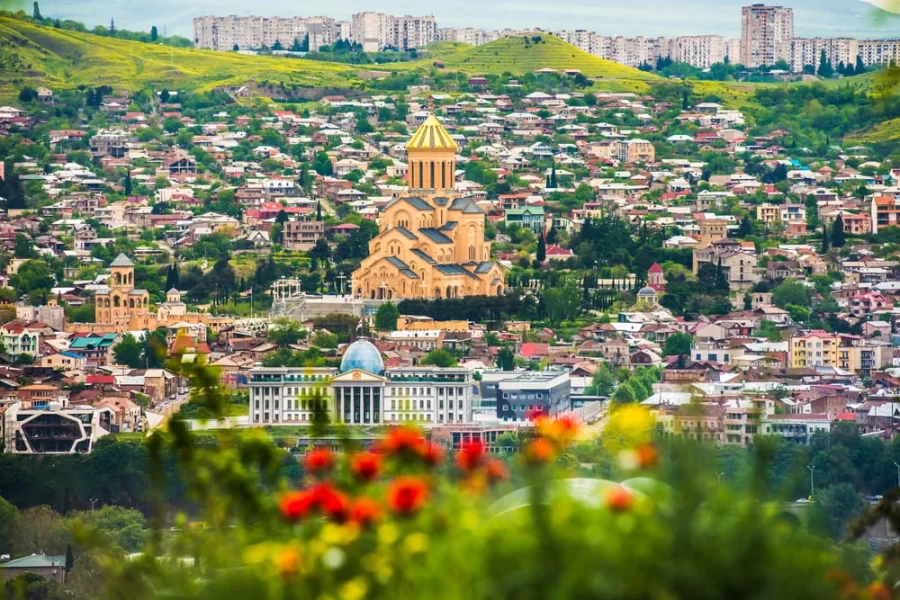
(534, 414)
(403, 440)
(647, 455)
(319, 460)
(365, 466)
(878, 591)
(365, 512)
(432, 454)
(619, 499)
(470, 455)
(539, 452)
(407, 495)
(332, 503)
(295, 505)
(496, 470)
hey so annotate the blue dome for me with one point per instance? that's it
(362, 355)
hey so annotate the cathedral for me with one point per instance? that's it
(120, 304)
(431, 243)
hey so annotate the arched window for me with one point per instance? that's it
(116, 301)
(421, 174)
(443, 175)
(432, 176)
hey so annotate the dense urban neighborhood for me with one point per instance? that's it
(482, 256)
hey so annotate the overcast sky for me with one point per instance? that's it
(636, 17)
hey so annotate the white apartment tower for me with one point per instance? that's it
(376, 31)
(766, 34)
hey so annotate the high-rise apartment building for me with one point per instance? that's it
(376, 31)
(766, 34)
(250, 33)
(700, 51)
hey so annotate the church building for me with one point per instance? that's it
(431, 243)
(121, 304)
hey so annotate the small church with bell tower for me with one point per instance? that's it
(431, 241)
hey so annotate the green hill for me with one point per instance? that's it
(36, 55)
(513, 55)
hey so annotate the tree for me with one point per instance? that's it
(32, 276)
(8, 517)
(541, 254)
(36, 13)
(603, 383)
(164, 96)
(837, 233)
(834, 506)
(553, 181)
(39, 529)
(386, 317)
(123, 527)
(505, 359)
(155, 349)
(70, 558)
(860, 67)
(128, 351)
(825, 68)
(790, 291)
(286, 332)
(235, 48)
(624, 394)
(154, 34)
(678, 344)
(322, 164)
(318, 204)
(439, 358)
(112, 28)
(824, 239)
(127, 186)
(27, 94)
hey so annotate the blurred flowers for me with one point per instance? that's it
(366, 466)
(619, 499)
(319, 461)
(407, 495)
(470, 455)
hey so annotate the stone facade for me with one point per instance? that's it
(431, 243)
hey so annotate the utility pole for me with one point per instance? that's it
(342, 277)
(93, 501)
(812, 481)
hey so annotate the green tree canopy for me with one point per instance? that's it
(386, 317)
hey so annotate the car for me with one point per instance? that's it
(803, 501)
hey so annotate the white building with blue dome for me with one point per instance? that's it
(361, 392)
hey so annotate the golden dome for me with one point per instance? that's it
(431, 135)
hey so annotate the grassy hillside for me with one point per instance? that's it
(513, 55)
(65, 59)
(885, 132)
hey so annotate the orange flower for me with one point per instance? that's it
(496, 470)
(619, 499)
(295, 505)
(470, 455)
(403, 440)
(365, 466)
(432, 454)
(333, 503)
(319, 460)
(288, 561)
(539, 452)
(407, 495)
(365, 512)
(561, 430)
(879, 591)
(647, 455)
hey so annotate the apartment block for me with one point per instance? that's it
(699, 51)
(376, 31)
(253, 32)
(808, 51)
(302, 235)
(636, 151)
(766, 34)
(815, 348)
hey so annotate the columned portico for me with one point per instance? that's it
(359, 402)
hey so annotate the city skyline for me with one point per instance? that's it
(828, 18)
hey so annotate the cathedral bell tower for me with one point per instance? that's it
(431, 156)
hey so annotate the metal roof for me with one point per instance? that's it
(435, 236)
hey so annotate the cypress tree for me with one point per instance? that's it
(541, 254)
(824, 239)
(837, 233)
